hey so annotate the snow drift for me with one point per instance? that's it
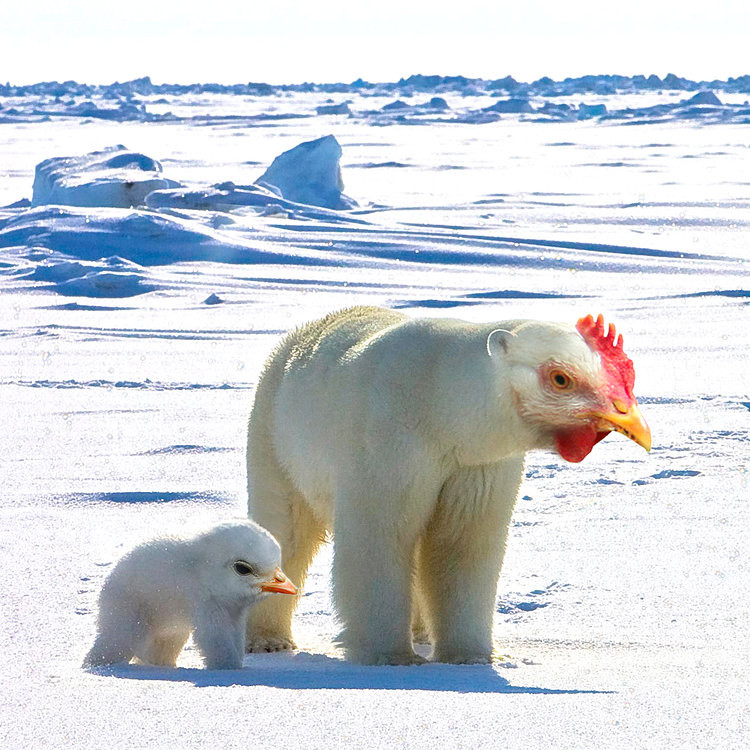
(143, 237)
(307, 175)
(113, 177)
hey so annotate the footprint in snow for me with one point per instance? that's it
(516, 604)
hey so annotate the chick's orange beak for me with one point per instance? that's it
(628, 421)
(279, 585)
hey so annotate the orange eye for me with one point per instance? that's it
(560, 380)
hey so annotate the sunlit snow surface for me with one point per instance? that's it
(131, 340)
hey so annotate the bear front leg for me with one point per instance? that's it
(219, 636)
(374, 540)
(460, 558)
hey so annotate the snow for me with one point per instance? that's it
(131, 340)
(109, 277)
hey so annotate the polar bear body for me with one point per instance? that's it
(168, 587)
(394, 433)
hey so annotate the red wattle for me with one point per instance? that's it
(575, 444)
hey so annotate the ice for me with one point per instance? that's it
(587, 111)
(437, 103)
(418, 99)
(393, 106)
(112, 177)
(334, 109)
(138, 90)
(515, 106)
(434, 105)
(704, 97)
(310, 173)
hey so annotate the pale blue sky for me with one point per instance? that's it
(328, 40)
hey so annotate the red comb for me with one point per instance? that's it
(609, 345)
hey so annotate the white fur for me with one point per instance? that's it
(408, 437)
(167, 587)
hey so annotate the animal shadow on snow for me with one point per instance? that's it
(304, 671)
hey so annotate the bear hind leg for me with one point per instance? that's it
(162, 650)
(299, 532)
(119, 634)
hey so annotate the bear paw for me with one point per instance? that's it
(420, 635)
(264, 644)
(399, 659)
(460, 657)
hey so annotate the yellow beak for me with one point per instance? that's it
(629, 422)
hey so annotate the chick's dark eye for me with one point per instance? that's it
(243, 569)
(560, 380)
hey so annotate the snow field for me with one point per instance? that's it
(622, 616)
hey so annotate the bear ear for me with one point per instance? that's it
(497, 341)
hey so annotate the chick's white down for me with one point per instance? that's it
(168, 587)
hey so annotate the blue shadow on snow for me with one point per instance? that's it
(304, 671)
